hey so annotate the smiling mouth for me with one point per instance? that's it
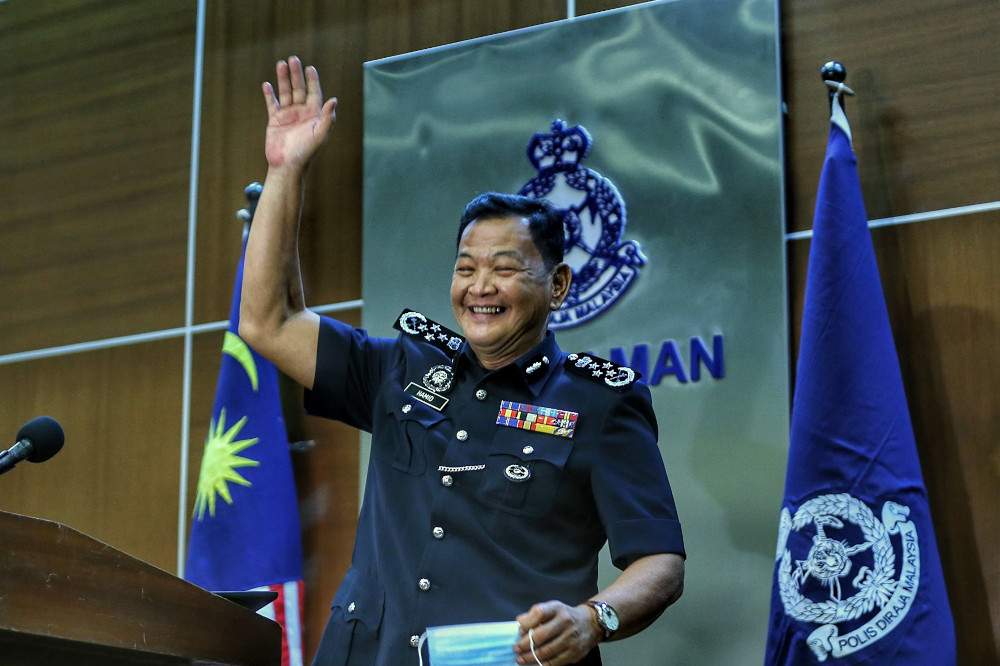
(487, 310)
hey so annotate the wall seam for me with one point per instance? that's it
(928, 216)
(150, 336)
(199, 65)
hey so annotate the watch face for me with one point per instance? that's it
(610, 617)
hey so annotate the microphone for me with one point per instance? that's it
(38, 440)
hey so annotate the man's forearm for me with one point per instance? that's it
(273, 316)
(644, 590)
(271, 282)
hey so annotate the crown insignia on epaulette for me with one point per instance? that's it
(414, 324)
(599, 370)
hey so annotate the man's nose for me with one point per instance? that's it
(483, 283)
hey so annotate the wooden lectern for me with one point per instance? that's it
(66, 598)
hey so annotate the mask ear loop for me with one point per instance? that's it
(420, 647)
(531, 643)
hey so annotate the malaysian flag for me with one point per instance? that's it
(245, 528)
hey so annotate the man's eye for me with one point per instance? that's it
(464, 271)
(506, 270)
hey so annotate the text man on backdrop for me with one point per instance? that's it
(500, 465)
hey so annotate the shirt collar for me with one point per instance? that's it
(533, 368)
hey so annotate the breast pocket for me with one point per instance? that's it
(524, 470)
(409, 428)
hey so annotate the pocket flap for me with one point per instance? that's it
(361, 599)
(406, 406)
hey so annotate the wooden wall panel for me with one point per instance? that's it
(593, 6)
(925, 124)
(116, 478)
(404, 26)
(96, 139)
(242, 44)
(943, 291)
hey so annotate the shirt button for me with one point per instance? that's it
(351, 608)
(414, 641)
(407, 408)
(438, 532)
(424, 584)
(528, 450)
(481, 394)
(462, 435)
(446, 480)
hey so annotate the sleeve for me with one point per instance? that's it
(630, 482)
(350, 367)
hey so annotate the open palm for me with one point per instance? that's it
(298, 118)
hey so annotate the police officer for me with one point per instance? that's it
(500, 465)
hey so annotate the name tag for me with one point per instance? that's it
(429, 398)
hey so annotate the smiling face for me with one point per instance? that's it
(501, 292)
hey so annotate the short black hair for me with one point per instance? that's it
(545, 221)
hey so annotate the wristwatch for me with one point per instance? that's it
(607, 617)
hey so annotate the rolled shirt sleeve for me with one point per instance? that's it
(630, 484)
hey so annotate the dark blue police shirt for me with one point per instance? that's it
(447, 534)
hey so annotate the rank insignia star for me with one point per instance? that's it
(416, 325)
(616, 376)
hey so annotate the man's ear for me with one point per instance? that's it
(562, 277)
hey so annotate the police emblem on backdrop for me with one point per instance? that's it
(846, 580)
(604, 265)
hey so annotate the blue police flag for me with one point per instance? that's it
(245, 528)
(857, 577)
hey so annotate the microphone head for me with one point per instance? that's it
(45, 435)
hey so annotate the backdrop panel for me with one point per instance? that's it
(677, 245)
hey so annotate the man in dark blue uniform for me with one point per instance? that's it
(500, 465)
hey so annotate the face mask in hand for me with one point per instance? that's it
(480, 644)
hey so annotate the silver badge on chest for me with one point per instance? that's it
(439, 378)
(517, 473)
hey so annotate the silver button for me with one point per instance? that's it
(446, 480)
(407, 408)
(424, 584)
(528, 450)
(414, 641)
(462, 435)
(481, 394)
(438, 532)
(351, 608)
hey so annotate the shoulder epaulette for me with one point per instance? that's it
(616, 376)
(416, 325)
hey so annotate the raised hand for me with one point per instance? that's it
(298, 119)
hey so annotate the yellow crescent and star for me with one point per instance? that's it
(220, 461)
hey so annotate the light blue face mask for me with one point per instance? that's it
(479, 644)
